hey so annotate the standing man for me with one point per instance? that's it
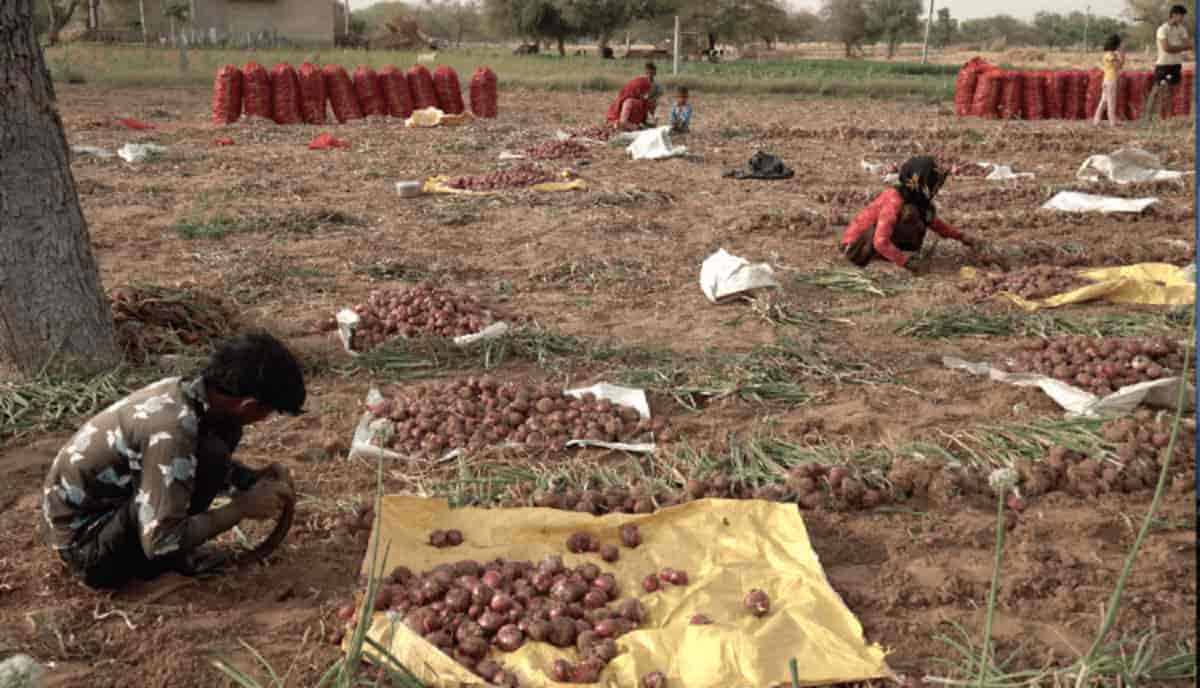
(1173, 41)
(129, 495)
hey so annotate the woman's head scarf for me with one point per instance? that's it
(920, 180)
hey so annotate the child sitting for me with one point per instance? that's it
(681, 114)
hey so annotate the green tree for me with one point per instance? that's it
(846, 22)
(534, 20)
(1148, 15)
(601, 19)
(893, 21)
(944, 28)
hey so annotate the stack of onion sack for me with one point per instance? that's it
(1053, 89)
(366, 89)
(1013, 95)
(341, 94)
(395, 92)
(478, 412)
(483, 93)
(1034, 103)
(1101, 366)
(988, 89)
(509, 178)
(420, 84)
(227, 95)
(312, 94)
(1095, 89)
(555, 150)
(468, 610)
(285, 95)
(964, 85)
(1034, 283)
(256, 91)
(447, 90)
(415, 311)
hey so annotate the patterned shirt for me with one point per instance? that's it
(143, 447)
(882, 215)
(681, 118)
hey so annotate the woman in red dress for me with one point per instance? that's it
(632, 105)
(897, 220)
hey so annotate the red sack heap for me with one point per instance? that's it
(395, 92)
(312, 94)
(341, 94)
(483, 93)
(366, 89)
(227, 95)
(420, 84)
(987, 94)
(285, 94)
(964, 85)
(1013, 95)
(256, 91)
(448, 90)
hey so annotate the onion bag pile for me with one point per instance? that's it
(256, 91)
(984, 90)
(448, 90)
(227, 95)
(483, 93)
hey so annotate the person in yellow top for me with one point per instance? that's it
(1114, 60)
(1172, 40)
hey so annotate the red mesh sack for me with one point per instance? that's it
(285, 94)
(227, 95)
(395, 92)
(366, 89)
(1121, 106)
(1033, 104)
(964, 85)
(312, 94)
(420, 84)
(987, 94)
(256, 90)
(483, 93)
(1075, 97)
(448, 90)
(1095, 91)
(1011, 101)
(1135, 100)
(1053, 102)
(1062, 85)
(1183, 96)
(341, 94)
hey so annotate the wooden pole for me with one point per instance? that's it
(675, 45)
(928, 26)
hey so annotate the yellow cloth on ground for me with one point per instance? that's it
(727, 547)
(1152, 284)
(438, 185)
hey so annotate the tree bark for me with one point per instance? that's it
(562, 47)
(54, 315)
(59, 18)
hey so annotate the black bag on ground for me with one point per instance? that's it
(762, 165)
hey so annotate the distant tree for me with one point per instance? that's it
(803, 26)
(944, 28)
(60, 15)
(532, 20)
(1000, 27)
(892, 21)
(601, 19)
(847, 23)
(765, 20)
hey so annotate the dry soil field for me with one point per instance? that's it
(616, 266)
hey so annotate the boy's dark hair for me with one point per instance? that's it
(1112, 43)
(681, 91)
(651, 68)
(1178, 9)
(256, 364)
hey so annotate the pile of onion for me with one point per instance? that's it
(1100, 365)
(415, 311)
(480, 411)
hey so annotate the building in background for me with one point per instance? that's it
(231, 22)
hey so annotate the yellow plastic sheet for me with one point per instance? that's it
(1154, 284)
(727, 547)
(433, 117)
(438, 185)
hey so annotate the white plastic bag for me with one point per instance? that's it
(141, 152)
(1160, 393)
(654, 144)
(92, 151)
(1004, 172)
(724, 275)
(369, 426)
(1075, 202)
(347, 322)
(1126, 166)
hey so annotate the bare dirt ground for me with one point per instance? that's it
(617, 262)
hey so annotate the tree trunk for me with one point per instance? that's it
(562, 47)
(59, 18)
(53, 313)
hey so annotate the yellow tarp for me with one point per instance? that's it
(1153, 284)
(727, 547)
(438, 185)
(433, 117)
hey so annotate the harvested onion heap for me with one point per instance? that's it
(598, 133)
(1035, 283)
(554, 150)
(1101, 365)
(476, 412)
(516, 177)
(415, 311)
(466, 609)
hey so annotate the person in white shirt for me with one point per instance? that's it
(1173, 41)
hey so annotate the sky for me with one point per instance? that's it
(963, 9)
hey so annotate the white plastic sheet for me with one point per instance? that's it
(369, 426)
(654, 144)
(347, 322)
(1077, 402)
(140, 152)
(1076, 202)
(724, 275)
(1001, 173)
(1126, 166)
(92, 151)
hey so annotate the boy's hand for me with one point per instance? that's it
(264, 499)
